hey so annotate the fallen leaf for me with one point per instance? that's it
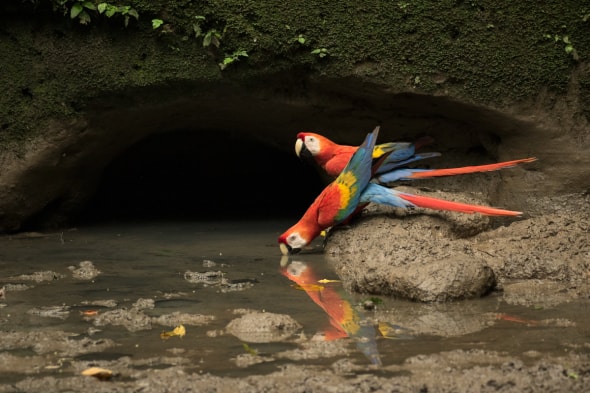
(327, 281)
(250, 350)
(102, 374)
(179, 331)
(89, 313)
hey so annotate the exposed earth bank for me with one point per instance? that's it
(431, 256)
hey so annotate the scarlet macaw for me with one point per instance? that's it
(333, 157)
(352, 189)
(336, 202)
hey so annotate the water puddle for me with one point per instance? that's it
(155, 276)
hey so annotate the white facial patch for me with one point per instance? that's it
(296, 241)
(312, 144)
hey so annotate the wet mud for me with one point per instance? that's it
(112, 296)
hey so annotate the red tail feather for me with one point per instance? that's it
(441, 204)
(470, 169)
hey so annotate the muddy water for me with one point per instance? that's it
(149, 261)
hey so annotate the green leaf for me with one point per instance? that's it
(566, 39)
(77, 8)
(133, 13)
(110, 11)
(89, 5)
(157, 23)
(84, 18)
(102, 7)
(207, 39)
(197, 29)
(569, 48)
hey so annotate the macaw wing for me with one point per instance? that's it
(397, 151)
(354, 178)
(389, 165)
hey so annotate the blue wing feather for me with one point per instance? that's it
(356, 175)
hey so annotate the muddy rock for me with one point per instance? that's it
(61, 312)
(85, 271)
(48, 341)
(411, 256)
(132, 319)
(263, 327)
(430, 256)
(38, 277)
(178, 318)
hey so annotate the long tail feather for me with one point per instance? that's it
(441, 204)
(469, 169)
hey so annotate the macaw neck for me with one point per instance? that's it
(308, 224)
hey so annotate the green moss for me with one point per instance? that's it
(483, 51)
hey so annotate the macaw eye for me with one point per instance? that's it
(311, 139)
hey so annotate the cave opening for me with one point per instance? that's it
(202, 175)
(229, 154)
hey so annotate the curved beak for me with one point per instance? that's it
(287, 249)
(298, 147)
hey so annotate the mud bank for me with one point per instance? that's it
(431, 256)
(457, 371)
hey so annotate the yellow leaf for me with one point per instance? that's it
(250, 350)
(179, 331)
(101, 373)
(327, 281)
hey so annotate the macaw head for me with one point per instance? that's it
(310, 144)
(297, 237)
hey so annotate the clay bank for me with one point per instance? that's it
(189, 110)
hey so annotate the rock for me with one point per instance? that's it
(132, 319)
(47, 275)
(177, 318)
(263, 327)
(412, 257)
(85, 271)
(61, 312)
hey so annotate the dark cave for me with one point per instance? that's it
(229, 154)
(202, 174)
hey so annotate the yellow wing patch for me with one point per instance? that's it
(379, 150)
(347, 185)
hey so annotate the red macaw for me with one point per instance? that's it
(336, 202)
(345, 320)
(333, 157)
(352, 190)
